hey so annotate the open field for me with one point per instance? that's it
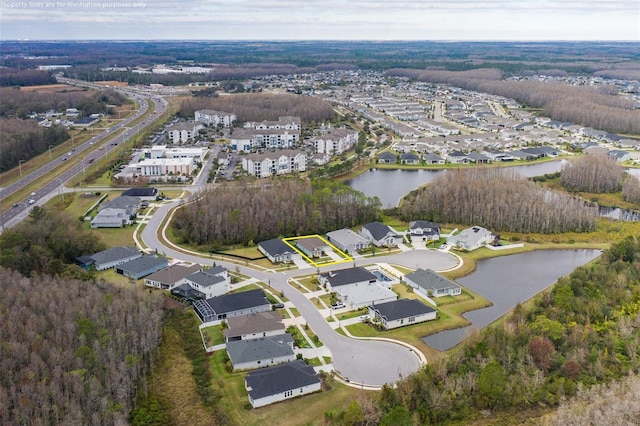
(52, 88)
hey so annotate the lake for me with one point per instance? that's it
(391, 185)
(507, 281)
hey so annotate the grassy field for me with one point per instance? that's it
(212, 335)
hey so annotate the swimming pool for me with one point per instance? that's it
(381, 277)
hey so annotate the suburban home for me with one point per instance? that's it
(457, 157)
(253, 326)
(409, 158)
(111, 257)
(117, 213)
(171, 276)
(210, 282)
(431, 284)
(433, 159)
(619, 155)
(218, 308)
(380, 235)
(427, 231)
(521, 155)
(347, 240)
(356, 287)
(280, 382)
(214, 118)
(477, 158)
(260, 352)
(472, 238)
(277, 251)
(401, 312)
(387, 158)
(142, 266)
(312, 247)
(143, 193)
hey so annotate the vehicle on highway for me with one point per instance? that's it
(90, 160)
(33, 194)
(31, 201)
(15, 204)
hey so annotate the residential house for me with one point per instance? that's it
(522, 155)
(210, 282)
(280, 382)
(427, 231)
(402, 312)
(380, 235)
(472, 238)
(277, 251)
(457, 157)
(171, 276)
(253, 326)
(477, 158)
(142, 266)
(312, 247)
(119, 212)
(387, 158)
(619, 155)
(409, 158)
(433, 159)
(356, 287)
(113, 257)
(143, 193)
(218, 308)
(347, 240)
(431, 284)
(260, 352)
(213, 118)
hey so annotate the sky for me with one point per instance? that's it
(320, 20)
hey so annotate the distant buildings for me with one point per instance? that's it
(183, 132)
(215, 118)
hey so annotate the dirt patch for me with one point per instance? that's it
(52, 88)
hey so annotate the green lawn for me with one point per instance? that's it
(212, 335)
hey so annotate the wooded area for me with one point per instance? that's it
(592, 173)
(258, 107)
(258, 211)
(581, 105)
(498, 199)
(72, 352)
(583, 332)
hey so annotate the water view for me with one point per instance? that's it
(507, 281)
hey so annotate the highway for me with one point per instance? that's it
(82, 156)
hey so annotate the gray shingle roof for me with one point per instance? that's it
(280, 378)
(114, 254)
(173, 273)
(205, 278)
(402, 308)
(378, 230)
(348, 276)
(428, 280)
(275, 247)
(237, 301)
(242, 351)
(143, 264)
(253, 323)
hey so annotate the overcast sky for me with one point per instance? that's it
(321, 19)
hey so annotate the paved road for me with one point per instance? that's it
(372, 363)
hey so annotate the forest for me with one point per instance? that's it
(585, 331)
(577, 104)
(498, 199)
(258, 211)
(592, 173)
(72, 351)
(258, 107)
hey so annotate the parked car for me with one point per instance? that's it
(338, 305)
(278, 305)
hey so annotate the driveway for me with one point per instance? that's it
(365, 362)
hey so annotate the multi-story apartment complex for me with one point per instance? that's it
(183, 132)
(335, 141)
(275, 163)
(213, 118)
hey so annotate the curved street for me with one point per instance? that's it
(367, 362)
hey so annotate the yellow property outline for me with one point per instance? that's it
(346, 257)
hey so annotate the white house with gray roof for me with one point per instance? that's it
(471, 238)
(277, 251)
(402, 312)
(142, 266)
(171, 277)
(281, 382)
(210, 282)
(254, 326)
(380, 235)
(347, 240)
(356, 287)
(113, 257)
(430, 283)
(218, 308)
(261, 352)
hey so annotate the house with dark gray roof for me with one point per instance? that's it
(113, 257)
(277, 251)
(380, 235)
(253, 326)
(350, 276)
(427, 231)
(210, 282)
(171, 276)
(430, 283)
(433, 159)
(218, 308)
(401, 312)
(142, 266)
(117, 213)
(619, 155)
(260, 352)
(409, 158)
(144, 193)
(347, 240)
(387, 158)
(457, 157)
(312, 247)
(477, 158)
(356, 287)
(280, 382)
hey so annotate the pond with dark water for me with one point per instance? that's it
(507, 281)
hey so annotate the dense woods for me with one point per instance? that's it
(23, 77)
(577, 104)
(631, 189)
(263, 210)
(72, 352)
(585, 331)
(24, 139)
(592, 173)
(498, 199)
(258, 107)
(47, 243)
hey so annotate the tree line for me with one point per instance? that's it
(258, 107)
(24, 139)
(581, 105)
(592, 173)
(583, 332)
(25, 77)
(73, 352)
(498, 199)
(257, 211)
